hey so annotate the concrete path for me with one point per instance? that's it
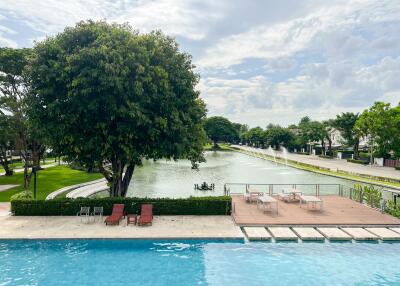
(282, 233)
(359, 233)
(257, 233)
(334, 233)
(334, 164)
(89, 189)
(183, 227)
(71, 188)
(308, 233)
(42, 166)
(7, 187)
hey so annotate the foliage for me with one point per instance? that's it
(397, 168)
(345, 123)
(367, 194)
(48, 181)
(382, 124)
(108, 97)
(161, 206)
(362, 162)
(219, 129)
(278, 136)
(24, 195)
(7, 140)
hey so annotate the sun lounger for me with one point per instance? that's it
(251, 197)
(146, 215)
(291, 196)
(267, 202)
(84, 214)
(311, 200)
(117, 214)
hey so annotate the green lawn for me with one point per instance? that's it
(20, 165)
(48, 181)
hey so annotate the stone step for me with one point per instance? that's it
(334, 233)
(359, 233)
(282, 233)
(257, 233)
(308, 233)
(384, 233)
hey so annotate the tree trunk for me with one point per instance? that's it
(5, 163)
(355, 148)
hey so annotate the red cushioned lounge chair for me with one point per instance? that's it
(146, 215)
(117, 214)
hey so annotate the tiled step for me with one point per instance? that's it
(334, 233)
(257, 233)
(359, 233)
(308, 233)
(282, 233)
(384, 233)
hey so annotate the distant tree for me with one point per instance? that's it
(219, 129)
(109, 97)
(277, 136)
(382, 124)
(256, 137)
(7, 139)
(329, 128)
(345, 123)
(241, 129)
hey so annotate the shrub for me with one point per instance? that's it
(325, 156)
(358, 161)
(25, 195)
(302, 153)
(369, 195)
(397, 168)
(162, 206)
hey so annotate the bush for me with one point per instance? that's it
(302, 153)
(397, 168)
(369, 195)
(325, 156)
(25, 195)
(358, 161)
(163, 206)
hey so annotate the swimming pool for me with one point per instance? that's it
(150, 262)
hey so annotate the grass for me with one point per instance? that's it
(222, 147)
(327, 172)
(48, 181)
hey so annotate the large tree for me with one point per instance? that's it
(219, 128)
(14, 88)
(277, 136)
(7, 140)
(108, 96)
(345, 123)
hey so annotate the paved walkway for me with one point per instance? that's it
(20, 170)
(334, 164)
(163, 227)
(336, 211)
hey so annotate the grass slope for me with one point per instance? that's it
(48, 180)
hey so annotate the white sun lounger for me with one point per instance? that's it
(311, 200)
(291, 196)
(267, 202)
(251, 197)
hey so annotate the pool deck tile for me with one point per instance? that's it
(282, 233)
(384, 233)
(257, 233)
(334, 233)
(63, 227)
(359, 233)
(308, 233)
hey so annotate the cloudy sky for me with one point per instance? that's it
(260, 61)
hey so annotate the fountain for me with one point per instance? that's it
(271, 153)
(284, 153)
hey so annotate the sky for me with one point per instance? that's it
(260, 61)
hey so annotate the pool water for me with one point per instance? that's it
(165, 262)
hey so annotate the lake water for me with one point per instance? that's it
(176, 179)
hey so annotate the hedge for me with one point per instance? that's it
(397, 168)
(358, 161)
(163, 206)
(325, 156)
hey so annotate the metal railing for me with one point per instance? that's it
(271, 189)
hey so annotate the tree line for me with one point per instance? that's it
(379, 125)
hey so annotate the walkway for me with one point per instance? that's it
(89, 189)
(334, 164)
(336, 211)
(163, 227)
(20, 170)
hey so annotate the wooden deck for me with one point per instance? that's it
(337, 211)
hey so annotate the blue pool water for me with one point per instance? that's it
(129, 262)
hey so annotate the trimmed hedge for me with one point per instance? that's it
(325, 156)
(358, 161)
(397, 168)
(162, 206)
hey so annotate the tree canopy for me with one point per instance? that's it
(219, 128)
(108, 96)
